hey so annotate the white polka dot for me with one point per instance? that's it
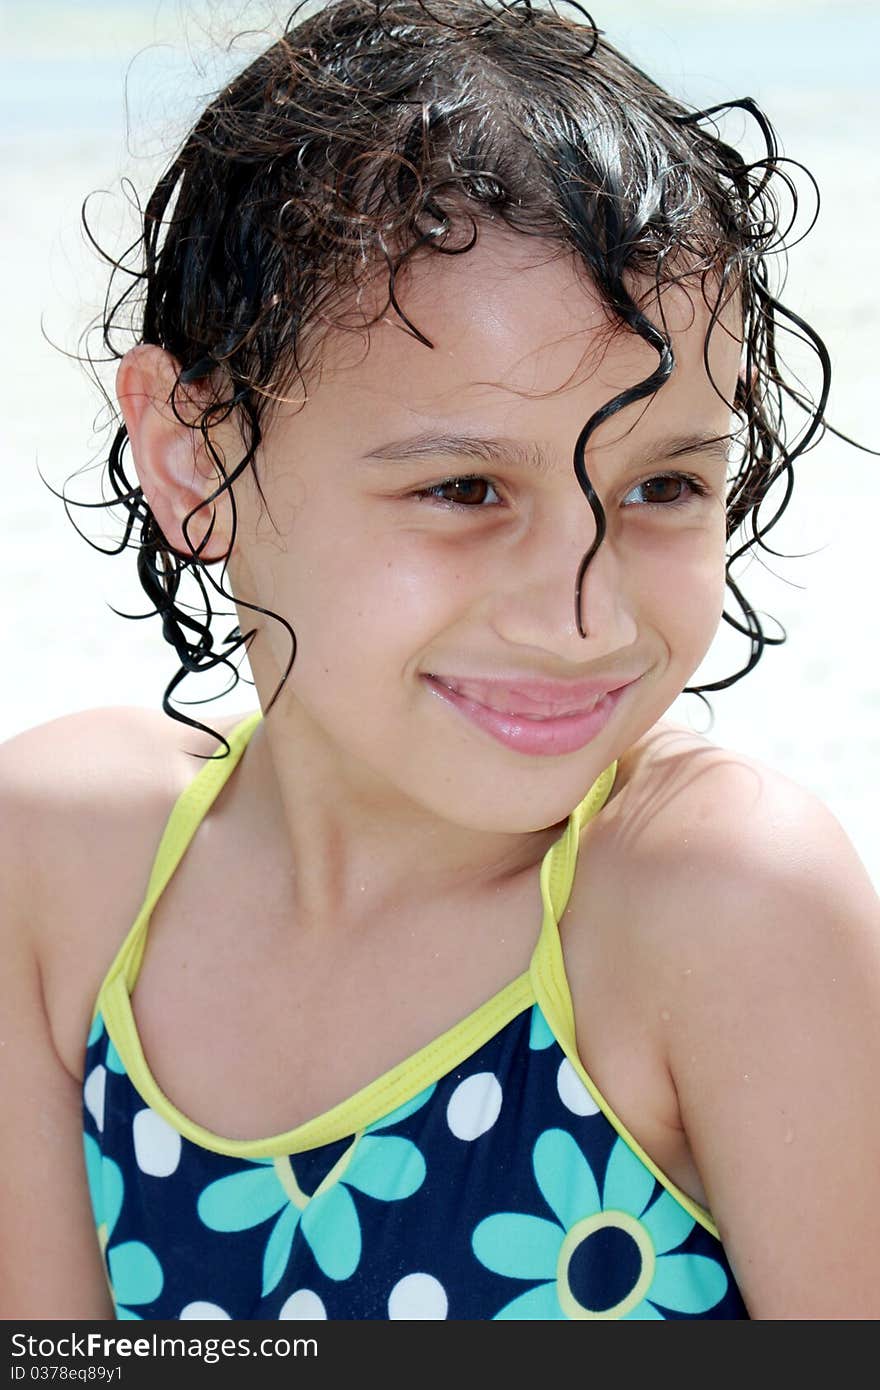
(156, 1145)
(572, 1091)
(417, 1296)
(93, 1094)
(195, 1311)
(474, 1105)
(302, 1306)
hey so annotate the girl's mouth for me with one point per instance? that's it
(534, 718)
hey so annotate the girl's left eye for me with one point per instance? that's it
(472, 492)
(666, 490)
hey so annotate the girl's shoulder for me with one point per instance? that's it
(696, 834)
(712, 893)
(84, 799)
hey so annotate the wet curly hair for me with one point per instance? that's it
(373, 131)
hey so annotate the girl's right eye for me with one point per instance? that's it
(472, 492)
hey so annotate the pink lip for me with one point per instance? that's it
(526, 729)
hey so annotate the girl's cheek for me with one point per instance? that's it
(681, 585)
(417, 566)
(701, 593)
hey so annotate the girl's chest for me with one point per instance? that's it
(258, 1029)
(255, 1026)
(252, 1031)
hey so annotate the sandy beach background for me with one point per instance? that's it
(95, 91)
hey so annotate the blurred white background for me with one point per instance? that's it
(97, 90)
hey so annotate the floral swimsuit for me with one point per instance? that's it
(483, 1177)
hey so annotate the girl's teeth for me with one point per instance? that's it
(506, 703)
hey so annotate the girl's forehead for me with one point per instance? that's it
(514, 318)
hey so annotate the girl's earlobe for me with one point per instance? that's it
(174, 467)
(747, 377)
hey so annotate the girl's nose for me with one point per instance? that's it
(535, 606)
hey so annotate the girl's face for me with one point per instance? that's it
(431, 584)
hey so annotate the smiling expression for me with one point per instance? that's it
(430, 527)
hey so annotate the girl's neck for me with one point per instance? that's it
(353, 849)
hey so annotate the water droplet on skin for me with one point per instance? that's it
(745, 1076)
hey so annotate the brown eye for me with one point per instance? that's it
(663, 489)
(463, 492)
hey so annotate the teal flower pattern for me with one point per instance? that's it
(383, 1166)
(540, 1036)
(622, 1231)
(135, 1273)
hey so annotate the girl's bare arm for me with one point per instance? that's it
(771, 989)
(50, 1266)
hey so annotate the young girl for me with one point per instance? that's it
(453, 981)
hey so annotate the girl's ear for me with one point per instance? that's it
(173, 465)
(747, 385)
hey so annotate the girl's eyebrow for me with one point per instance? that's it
(502, 449)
